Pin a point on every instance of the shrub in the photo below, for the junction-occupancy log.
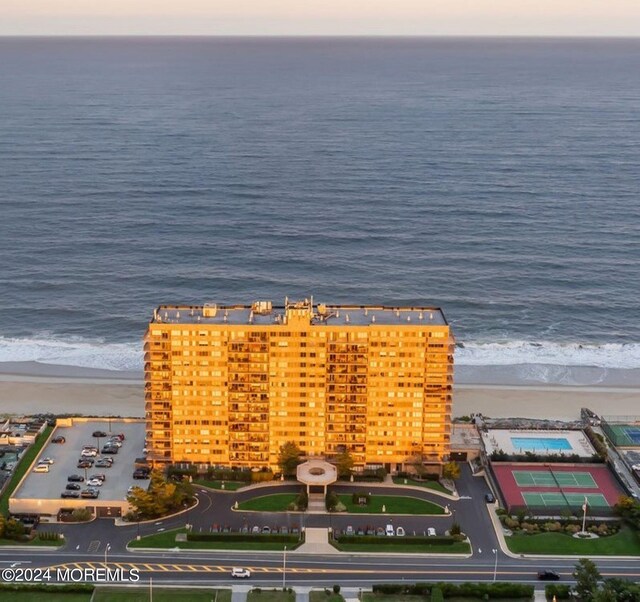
(561, 592)
(336, 589)
(455, 529)
(331, 501)
(436, 595)
(81, 515)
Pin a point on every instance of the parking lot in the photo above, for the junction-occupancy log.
(40, 491)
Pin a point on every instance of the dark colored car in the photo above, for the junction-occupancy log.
(99, 434)
(109, 449)
(488, 497)
(104, 463)
(140, 473)
(84, 463)
(73, 487)
(75, 478)
(548, 576)
(66, 493)
(90, 493)
(59, 439)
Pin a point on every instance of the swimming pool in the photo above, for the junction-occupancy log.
(540, 444)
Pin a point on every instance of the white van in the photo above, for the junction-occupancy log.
(390, 531)
(41, 468)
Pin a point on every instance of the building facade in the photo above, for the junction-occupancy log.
(229, 385)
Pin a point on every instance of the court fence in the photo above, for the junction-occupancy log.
(622, 431)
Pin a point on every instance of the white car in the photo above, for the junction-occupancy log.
(94, 482)
(389, 530)
(400, 532)
(88, 453)
(45, 461)
(431, 532)
(240, 573)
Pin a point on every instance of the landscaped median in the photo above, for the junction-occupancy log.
(220, 485)
(433, 485)
(219, 541)
(443, 544)
(419, 592)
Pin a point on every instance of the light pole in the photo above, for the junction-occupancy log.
(495, 566)
(105, 553)
(284, 568)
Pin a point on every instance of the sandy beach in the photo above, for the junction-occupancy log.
(29, 388)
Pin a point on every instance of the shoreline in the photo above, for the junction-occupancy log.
(32, 388)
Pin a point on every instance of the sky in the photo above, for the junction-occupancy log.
(325, 17)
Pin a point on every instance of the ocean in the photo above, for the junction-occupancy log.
(496, 178)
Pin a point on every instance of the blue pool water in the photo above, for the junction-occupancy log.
(540, 444)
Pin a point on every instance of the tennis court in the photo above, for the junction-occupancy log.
(549, 478)
(624, 435)
(555, 499)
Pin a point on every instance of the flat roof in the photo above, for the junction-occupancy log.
(264, 313)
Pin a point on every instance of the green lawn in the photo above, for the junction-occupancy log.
(48, 596)
(27, 458)
(277, 502)
(435, 485)
(270, 596)
(458, 547)
(369, 597)
(624, 543)
(394, 504)
(34, 542)
(160, 594)
(228, 485)
(317, 596)
(167, 539)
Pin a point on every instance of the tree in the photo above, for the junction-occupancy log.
(451, 470)
(344, 463)
(587, 576)
(289, 458)
(417, 462)
(618, 590)
(161, 498)
(13, 529)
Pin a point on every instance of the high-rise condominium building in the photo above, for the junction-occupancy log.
(227, 385)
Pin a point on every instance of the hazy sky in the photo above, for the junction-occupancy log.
(321, 17)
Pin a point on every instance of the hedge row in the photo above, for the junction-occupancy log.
(272, 537)
(561, 592)
(45, 587)
(438, 539)
(463, 590)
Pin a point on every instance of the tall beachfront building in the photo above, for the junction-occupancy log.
(228, 385)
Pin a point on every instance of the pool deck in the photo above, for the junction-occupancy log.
(503, 439)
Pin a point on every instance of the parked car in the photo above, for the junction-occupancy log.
(88, 453)
(380, 531)
(66, 493)
(114, 443)
(255, 530)
(100, 476)
(431, 532)
(58, 439)
(360, 531)
(348, 530)
(89, 447)
(140, 473)
(41, 468)
(75, 478)
(400, 532)
(266, 530)
(94, 483)
(85, 463)
(90, 493)
(548, 576)
(389, 531)
(104, 463)
(488, 497)
(73, 487)
(240, 573)
(99, 434)
(109, 449)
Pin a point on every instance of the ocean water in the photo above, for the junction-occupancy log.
(496, 178)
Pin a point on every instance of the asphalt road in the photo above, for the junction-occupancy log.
(86, 546)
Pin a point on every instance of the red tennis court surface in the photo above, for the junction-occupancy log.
(515, 478)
